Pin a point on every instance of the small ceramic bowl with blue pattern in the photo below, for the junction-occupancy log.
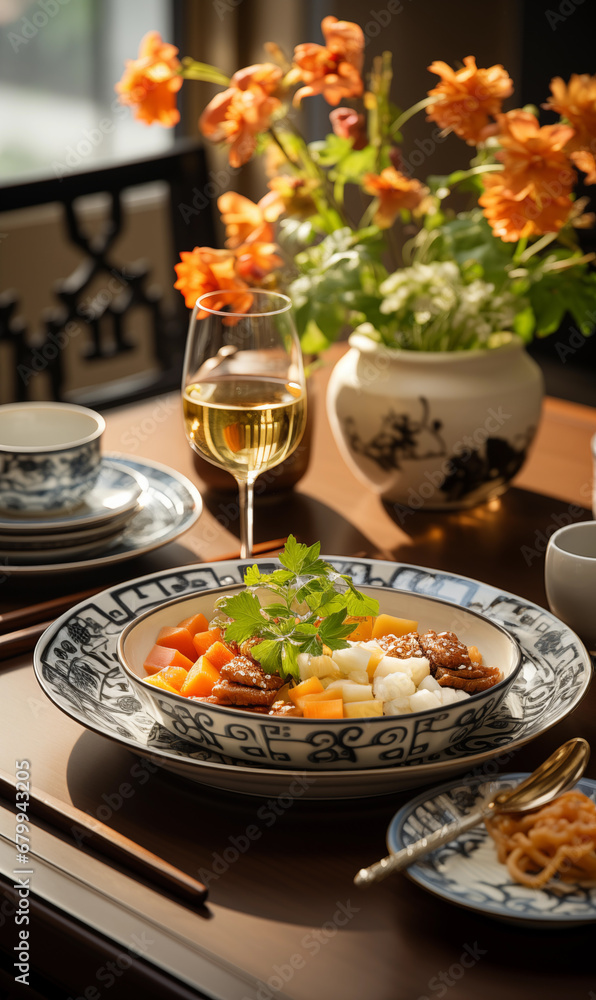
(351, 742)
(50, 456)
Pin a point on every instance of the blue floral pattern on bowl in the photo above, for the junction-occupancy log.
(48, 480)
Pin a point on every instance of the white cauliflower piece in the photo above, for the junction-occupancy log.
(396, 685)
(429, 683)
(355, 657)
(397, 706)
(317, 666)
(422, 701)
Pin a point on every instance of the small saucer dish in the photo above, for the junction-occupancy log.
(165, 505)
(115, 494)
(466, 871)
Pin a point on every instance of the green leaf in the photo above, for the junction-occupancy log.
(333, 631)
(252, 576)
(524, 323)
(296, 556)
(359, 604)
(269, 655)
(245, 610)
(192, 70)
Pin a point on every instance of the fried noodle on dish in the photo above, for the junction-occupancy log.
(557, 840)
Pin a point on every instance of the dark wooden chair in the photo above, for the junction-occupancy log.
(105, 321)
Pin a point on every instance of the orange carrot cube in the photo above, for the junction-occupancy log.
(160, 657)
(175, 676)
(363, 626)
(311, 685)
(202, 640)
(390, 625)
(218, 655)
(324, 709)
(177, 638)
(194, 624)
(200, 679)
(156, 680)
(328, 694)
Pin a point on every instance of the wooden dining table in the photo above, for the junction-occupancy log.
(284, 919)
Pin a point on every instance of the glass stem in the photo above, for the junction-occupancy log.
(246, 491)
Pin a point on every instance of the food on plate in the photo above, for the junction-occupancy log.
(303, 641)
(556, 842)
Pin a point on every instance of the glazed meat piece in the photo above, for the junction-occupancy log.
(444, 650)
(228, 693)
(469, 679)
(401, 646)
(243, 670)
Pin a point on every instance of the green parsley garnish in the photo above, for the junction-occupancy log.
(310, 602)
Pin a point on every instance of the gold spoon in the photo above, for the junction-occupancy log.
(555, 775)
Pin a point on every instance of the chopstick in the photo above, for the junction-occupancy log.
(34, 621)
(78, 825)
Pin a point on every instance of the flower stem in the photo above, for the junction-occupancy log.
(405, 117)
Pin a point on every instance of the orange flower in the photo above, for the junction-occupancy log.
(576, 101)
(205, 270)
(267, 76)
(467, 98)
(333, 69)
(255, 260)
(151, 82)
(534, 154)
(244, 220)
(513, 214)
(238, 114)
(394, 191)
(585, 161)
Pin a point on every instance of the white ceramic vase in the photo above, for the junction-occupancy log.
(430, 430)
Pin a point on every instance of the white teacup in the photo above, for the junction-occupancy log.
(50, 456)
(570, 578)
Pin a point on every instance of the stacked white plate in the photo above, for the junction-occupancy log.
(79, 532)
(135, 506)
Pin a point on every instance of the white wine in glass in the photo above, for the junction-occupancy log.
(243, 388)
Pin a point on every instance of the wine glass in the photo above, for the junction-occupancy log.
(243, 388)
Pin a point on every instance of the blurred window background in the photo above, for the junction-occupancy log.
(58, 65)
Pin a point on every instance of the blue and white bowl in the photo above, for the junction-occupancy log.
(50, 456)
(378, 741)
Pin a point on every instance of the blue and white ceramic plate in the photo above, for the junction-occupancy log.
(115, 494)
(169, 505)
(77, 665)
(466, 871)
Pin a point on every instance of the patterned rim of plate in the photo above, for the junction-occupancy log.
(86, 514)
(76, 665)
(170, 507)
(466, 871)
